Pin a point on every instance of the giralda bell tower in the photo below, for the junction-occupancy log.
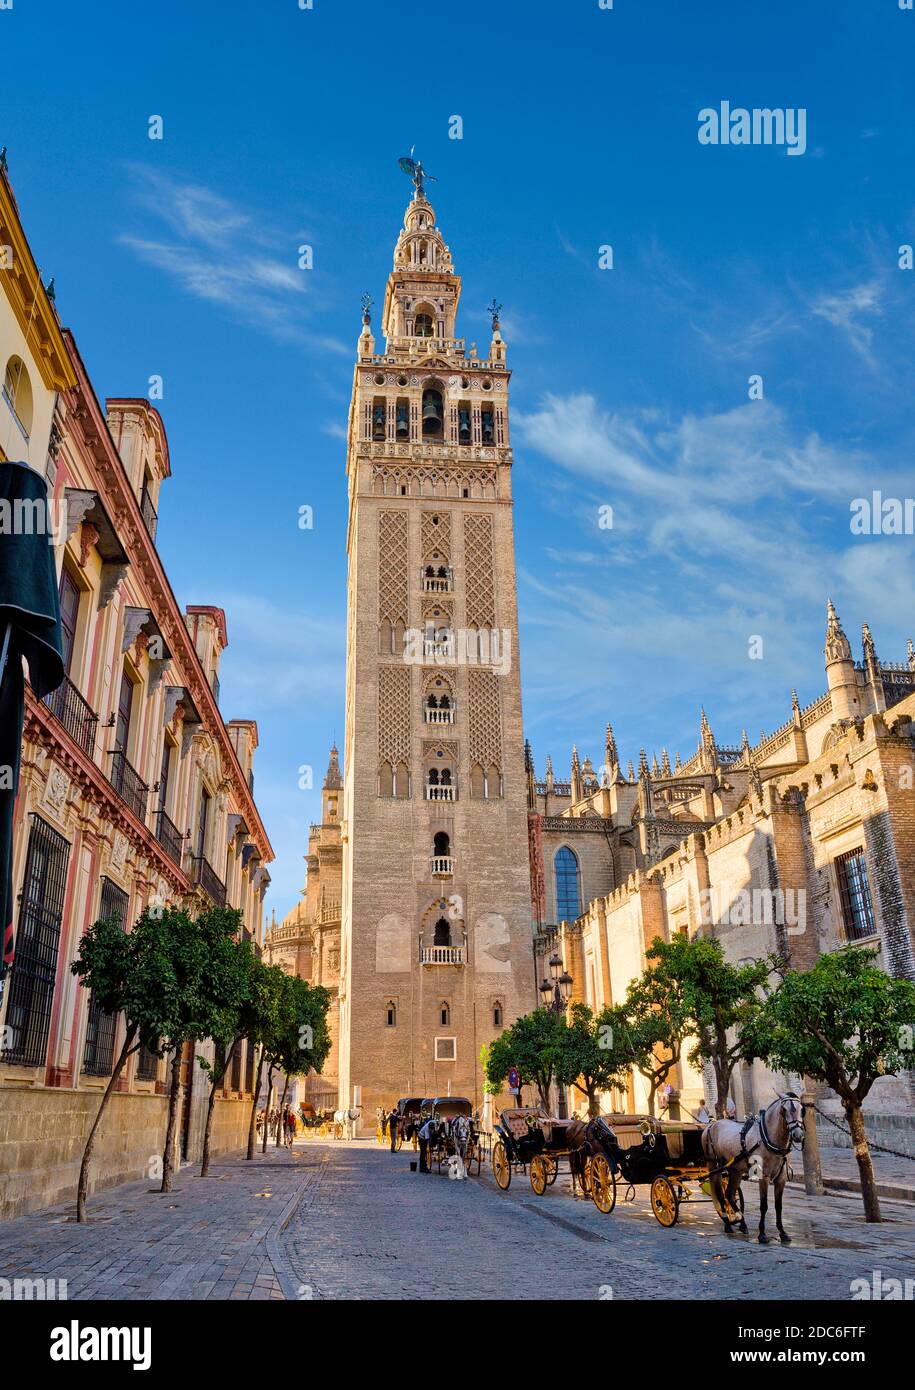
(436, 938)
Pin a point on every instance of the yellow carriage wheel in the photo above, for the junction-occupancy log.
(323, 1131)
(552, 1168)
(501, 1168)
(603, 1184)
(338, 1131)
(539, 1174)
(664, 1202)
(398, 1143)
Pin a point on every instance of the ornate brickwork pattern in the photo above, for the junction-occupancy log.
(478, 564)
(436, 535)
(484, 718)
(393, 558)
(394, 715)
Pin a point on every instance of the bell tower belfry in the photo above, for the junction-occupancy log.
(436, 949)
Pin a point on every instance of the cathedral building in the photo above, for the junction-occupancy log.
(800, 843)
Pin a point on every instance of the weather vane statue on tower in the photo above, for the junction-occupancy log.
(414, 170)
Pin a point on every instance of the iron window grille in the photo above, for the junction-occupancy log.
(235, 1079)
(37, 944)
(855, 895)
(147, 1064)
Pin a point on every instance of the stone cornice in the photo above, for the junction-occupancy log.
(29, 300)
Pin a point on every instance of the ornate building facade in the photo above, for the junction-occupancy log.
(307, 941)
(436, 943)
(134, 789)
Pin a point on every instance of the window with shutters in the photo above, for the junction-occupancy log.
(101, 1027)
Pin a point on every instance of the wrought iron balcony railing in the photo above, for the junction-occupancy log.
(169, 837)
(203, 873)
(443, 955)
(128, 784)
(149, 513)
(78, 718)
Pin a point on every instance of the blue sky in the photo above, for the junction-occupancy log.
(283, 127)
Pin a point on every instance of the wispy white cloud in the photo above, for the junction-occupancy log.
(218, 252)
(848, 310)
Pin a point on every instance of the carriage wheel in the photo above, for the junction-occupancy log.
(664, 1202)
(539, 1174)
(322, 1132)
(338, 1131)
(603, 1184)
(552, 1168)
(398, 1143)
(470, 1153)
(501, 1168)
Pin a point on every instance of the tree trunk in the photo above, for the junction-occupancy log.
(168, 1163)
(280, 1134)
(215, 1081)
(83, 1182)
(593, 1103)
(864, 1160)
(267, 1105)
(252, 1123)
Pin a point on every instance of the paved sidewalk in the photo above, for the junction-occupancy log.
(207, 1239)
(895, 1176)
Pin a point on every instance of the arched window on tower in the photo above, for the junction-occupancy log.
(390, 1014)
(423, 326)
(386, 780)
(497, 1014)
(442, 935)
(378, 418)
(568, 885)
(444, 1013)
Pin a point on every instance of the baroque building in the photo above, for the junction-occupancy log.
(799, 843)
(134, 789)
(307, 941)
(436, 942)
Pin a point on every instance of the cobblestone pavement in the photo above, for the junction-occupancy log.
(207, 1239)
(362, 1226)
(368, 1228)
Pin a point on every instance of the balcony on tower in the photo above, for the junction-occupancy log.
(440, 785)
(442, 860)
(442, 949)
(437, 579)
(439, 644)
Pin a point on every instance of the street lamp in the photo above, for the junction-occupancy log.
(556, 993)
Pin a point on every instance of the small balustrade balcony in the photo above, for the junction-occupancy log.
(441, 648)
(78, 718)
(438, 583)
(439, 716)
(443, 955)
(203, 874)
(442, 866)
(436, 792)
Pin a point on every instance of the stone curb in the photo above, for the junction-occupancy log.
(892, 1191)
(281, 1268)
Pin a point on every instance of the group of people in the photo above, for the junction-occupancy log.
(281, 1124)
(394, 1123)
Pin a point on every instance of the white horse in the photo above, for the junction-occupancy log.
(757, 1150)
(460, 1131)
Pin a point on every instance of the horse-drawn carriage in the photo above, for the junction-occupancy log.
(455, 1131)
(527, 1139)
(408, 1121)
(601, 1153)
(639, 1150)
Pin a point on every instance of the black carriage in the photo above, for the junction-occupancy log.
(639, 1150)
(529, 1140)
(444, 1111)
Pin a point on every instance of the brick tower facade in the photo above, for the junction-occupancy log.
(436, 949)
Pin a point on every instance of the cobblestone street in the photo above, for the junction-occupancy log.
(336, 1220)
(369, 1228)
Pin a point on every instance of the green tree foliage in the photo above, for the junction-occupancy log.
(717, 999)
(591, 1056)
(534, 1045)
(844, 1022)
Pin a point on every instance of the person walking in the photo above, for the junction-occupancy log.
(393, 1121)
